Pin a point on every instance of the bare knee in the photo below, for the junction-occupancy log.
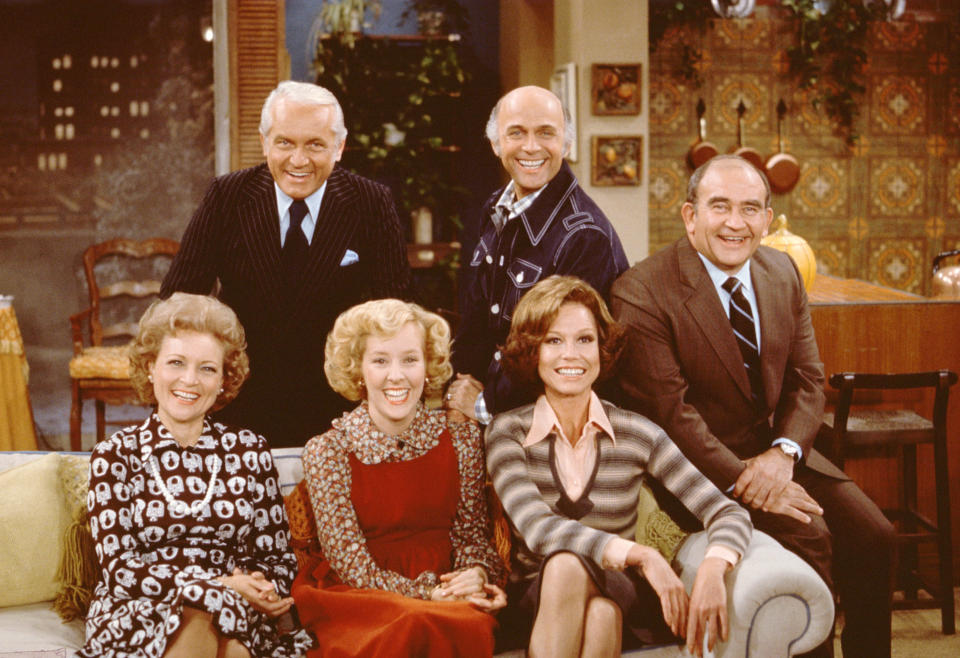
(603, 615)
(564, 570)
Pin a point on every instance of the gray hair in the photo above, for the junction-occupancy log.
(493, 135)
(304, 93)
(694, 184)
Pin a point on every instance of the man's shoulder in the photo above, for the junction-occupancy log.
(343, 179)
(657, 265)
(258, 176)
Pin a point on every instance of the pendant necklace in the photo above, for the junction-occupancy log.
(178, 505)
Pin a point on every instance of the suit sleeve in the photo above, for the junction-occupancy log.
(589, 254)
(194, 268)
(386, 240)
(654, 384)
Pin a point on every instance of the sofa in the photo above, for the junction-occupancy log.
(778, 605)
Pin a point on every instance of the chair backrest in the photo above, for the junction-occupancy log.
(847, 382)
(118, 271)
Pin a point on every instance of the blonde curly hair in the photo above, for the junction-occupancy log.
(347, 341)
(186, 312)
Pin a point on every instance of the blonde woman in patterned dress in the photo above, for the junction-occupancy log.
(187, 516)
(397, 493)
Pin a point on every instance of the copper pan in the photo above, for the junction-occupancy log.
(702, 150)
(751, 155)
(782, 169)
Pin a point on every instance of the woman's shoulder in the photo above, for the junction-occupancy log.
(630, 423)
(514, 423)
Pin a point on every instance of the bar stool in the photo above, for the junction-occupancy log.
(876, 432)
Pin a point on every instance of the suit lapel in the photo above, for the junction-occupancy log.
(260, 229)
(705, 308)
(774, 313)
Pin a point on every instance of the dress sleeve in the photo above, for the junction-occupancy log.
(112, 510)
(470, 534)
(327, 472)
(269, 542)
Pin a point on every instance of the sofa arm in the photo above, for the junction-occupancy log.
(777, 604)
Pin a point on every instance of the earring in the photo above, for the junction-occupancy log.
(150, 378)
(221, 389)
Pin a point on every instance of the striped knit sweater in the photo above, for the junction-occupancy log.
(524, 481)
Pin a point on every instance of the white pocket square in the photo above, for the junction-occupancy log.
(349, 258)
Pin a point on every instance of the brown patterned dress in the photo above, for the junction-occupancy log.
(157, 556)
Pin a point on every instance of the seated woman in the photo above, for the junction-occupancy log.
(397, 491)
(186, 514)
(568, 470)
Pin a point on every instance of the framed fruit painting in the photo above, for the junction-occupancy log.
(615, 159)
(615, 88)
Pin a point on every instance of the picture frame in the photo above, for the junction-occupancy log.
(615, 89)
(616, 160)
(563, 83)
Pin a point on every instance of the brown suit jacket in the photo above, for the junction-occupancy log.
(683, 369)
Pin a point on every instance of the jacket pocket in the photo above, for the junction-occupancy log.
(522, 275)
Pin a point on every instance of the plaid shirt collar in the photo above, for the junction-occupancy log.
(509, 206)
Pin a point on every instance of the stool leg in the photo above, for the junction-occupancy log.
(101, 420)
(76, 417)
(944, 537)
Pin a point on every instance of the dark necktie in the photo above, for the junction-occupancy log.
(741, 319)
(295, 248)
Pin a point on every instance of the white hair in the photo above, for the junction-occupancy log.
(493, 134)
(304, 93)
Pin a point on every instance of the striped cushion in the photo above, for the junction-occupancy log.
(102, 362)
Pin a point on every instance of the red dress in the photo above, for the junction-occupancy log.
(405, 510)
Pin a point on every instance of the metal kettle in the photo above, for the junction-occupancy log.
(946, 280)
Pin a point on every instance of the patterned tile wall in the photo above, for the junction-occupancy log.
(879, 211)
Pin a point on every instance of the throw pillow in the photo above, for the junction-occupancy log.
(303, 526)
(33, 516)
(655, 528)
(79, 570)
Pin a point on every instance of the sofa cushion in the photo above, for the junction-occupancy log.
(33, 517)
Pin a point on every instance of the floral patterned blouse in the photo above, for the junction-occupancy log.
(327, 470)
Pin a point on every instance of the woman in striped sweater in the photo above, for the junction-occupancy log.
(568, 470)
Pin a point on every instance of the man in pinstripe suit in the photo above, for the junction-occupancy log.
(293, 243)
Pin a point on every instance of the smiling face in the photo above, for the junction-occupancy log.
(729, 218)
(187, 377)
(301, 147)
(569, 360)
(530, 138)
(394, 371)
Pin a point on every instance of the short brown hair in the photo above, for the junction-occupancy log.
(346, 342)
(186, 312)
(535, 313)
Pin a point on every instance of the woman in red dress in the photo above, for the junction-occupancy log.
(397, 493)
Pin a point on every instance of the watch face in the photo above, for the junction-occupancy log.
(789, 450)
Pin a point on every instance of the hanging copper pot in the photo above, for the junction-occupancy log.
(702, 150)
(946, 280)
(751, 155)
(782, 169)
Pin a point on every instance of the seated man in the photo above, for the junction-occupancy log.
(541, 223)
(722, 355)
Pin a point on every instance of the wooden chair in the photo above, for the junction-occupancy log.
(123, 276)
(883, 432)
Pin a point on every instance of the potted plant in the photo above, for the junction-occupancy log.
(435, 17)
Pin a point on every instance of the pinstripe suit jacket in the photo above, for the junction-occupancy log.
(234, 237)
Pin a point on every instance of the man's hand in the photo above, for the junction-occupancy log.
(795, 502)
(764, 478)
(708, 606)
(461, 397)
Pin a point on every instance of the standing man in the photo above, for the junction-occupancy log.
(722, 355)
(541, 223)
(293, 243)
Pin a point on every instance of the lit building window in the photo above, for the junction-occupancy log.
(144, 133)
(97, 160)
(114, 87)
(104, 110)
(104, 62)
(62, 160)
(94, 62)
(69, 111)
(69, 131)
(51, 162)
(56, 63)
(67, 61)
(57, 84)
(133, 61)
(58, 112)
(58, 131)
(115, 133)
(134, 108)
(41, 162)
(144, 108)
(114, 63)
(115, 111)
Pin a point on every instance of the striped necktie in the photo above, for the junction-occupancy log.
(741, 319)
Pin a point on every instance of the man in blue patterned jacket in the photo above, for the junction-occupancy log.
(541, 223)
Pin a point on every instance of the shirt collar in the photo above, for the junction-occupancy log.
(284, 201)
(509, 206)
(718, 276)
(153, 435)
(545, 422)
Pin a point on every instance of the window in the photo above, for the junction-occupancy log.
(57, 85)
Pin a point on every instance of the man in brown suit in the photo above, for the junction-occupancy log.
(744, 405)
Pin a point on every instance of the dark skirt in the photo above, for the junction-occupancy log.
(639, 604)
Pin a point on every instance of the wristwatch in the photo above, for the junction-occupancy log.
(790, 451)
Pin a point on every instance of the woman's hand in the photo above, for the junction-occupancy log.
(708, 606)
(463, 583)
(490, 600)
(666, 583)
(258, 591)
